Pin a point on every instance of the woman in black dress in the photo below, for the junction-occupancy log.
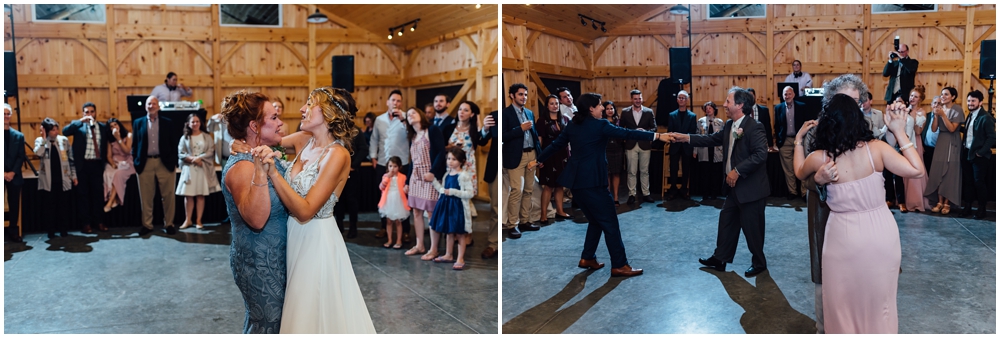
(549, 126)
(615, 152)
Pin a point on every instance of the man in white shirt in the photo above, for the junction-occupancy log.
(798, 76)
(171, 90)
(638, 117)
(566, 106)
(389, 139)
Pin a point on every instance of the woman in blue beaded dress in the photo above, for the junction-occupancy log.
(258, 248)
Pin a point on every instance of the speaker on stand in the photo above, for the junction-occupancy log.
(343, 72)
(680, 69)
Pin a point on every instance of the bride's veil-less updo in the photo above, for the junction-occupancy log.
(339, 110)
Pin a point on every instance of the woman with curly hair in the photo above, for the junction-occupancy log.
(859, 293)
(322, 294)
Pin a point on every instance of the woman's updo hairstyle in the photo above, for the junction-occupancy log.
(240, 108)
(339, 110)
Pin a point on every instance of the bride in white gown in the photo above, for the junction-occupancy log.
(322, 294)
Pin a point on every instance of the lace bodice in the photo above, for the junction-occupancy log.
(306, 178)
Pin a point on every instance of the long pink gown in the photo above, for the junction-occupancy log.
(915, 187)
(861, 255)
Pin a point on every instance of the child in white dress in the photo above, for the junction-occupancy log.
(393, 204)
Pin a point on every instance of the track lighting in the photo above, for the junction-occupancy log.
(593, 22)
(399, 29)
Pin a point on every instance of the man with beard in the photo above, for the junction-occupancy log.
(441, 118)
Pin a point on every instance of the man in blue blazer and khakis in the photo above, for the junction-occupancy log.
(520, 147)
(154, 151)
(745, 147)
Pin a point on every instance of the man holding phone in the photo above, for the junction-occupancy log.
(901, 70)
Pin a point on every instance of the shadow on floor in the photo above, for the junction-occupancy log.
(767, 309)
(547, 318)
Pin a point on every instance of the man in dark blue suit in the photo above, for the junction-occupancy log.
(586, 175)
(13, 157)
(520, 146)
(90, 149)
(441, 118)
(681, 155)
(154, 151)
(745, 148)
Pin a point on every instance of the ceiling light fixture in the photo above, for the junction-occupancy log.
(317, 17)
(390, 33)
(398, 30)
(593, 22)
(478, 6)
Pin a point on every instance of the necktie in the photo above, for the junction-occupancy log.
(437, 121)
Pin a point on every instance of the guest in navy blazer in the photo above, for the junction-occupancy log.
(90, 148)
(13, 157)
(681, 155)
(445, 123)
(587, 175)
(520, 147)
(155, 160)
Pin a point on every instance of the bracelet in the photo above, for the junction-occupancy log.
(252, 179)
(798, 143)
(907, 146)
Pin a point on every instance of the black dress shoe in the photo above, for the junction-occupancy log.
(527, 226)
(753, 271)
(513, 233)
(631, 200)
(714, 263)
(647, 199)
(966, 212)
(171, 230)
(63, 234)
(981, 214)
(144, 231)
(52, 235)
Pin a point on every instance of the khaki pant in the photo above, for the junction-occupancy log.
(519, 183)
(638, 160)
(787, 157)
(494, 214)
(154, 173)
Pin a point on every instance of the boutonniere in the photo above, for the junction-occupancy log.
(284, 157)
(738, 134)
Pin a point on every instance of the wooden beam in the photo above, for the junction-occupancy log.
(985, 35)
(461, 95)
(820, 22)
(326, 51)
(538, 83)
(60, 31)
(111, 61)
(850, 39)
(216, 59)
(554, 32)
(878, 41)
(90, 46)
(470, 44)
(130, 80)
(954, 39)
(969, 47)
(388, 54)
(651, 14)
(332, 17)
(494, 50)
(163, 7)
(784, 41)
(631, 71)
(231, 52)
(662, 41)
(491, 70)
(916, 20)
(442, 77)
(511, 43)
(584, 55)
(512, 64)
(344, 35)
(311, 63)
(753, 40)
(698, 38)
(204, 57)
(128, 50)
(23, 43)
(163, 32)
(453, 35)
(930, 66)
(866, 41)
(545, 68)
(411, 60)
(769, 54)
(604, 46)
(755, 25)
(531, 39)
(63, 81)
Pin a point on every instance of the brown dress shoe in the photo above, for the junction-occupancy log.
(87, 230)
(488, 253)
(625, 271)
(590, 264)
(102, 227)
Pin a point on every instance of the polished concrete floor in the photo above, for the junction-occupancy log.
(947, 284)
(118, 282)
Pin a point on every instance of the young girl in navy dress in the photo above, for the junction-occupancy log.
(393, 205)
(451, 214)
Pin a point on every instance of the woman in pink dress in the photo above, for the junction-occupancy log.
(861, 250)
(914, 187)
(119, 167)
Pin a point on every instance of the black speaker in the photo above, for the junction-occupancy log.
(988, 60)
(343, 72)
(680, 64)
(9, 74)
(666, 99)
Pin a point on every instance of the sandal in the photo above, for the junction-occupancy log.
(443, 260)
(936, 208)
(397, 246)
(200, 226)
(413, 251)
(387, 245)
(428, 256)
(946, 209)
(458, 266)
(185, 225)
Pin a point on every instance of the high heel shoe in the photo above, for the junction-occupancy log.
(936, 208)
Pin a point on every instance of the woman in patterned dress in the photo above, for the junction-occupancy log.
(426, 149)
(468, 136)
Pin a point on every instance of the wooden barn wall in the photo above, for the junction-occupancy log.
(829, 39)
(63, 65)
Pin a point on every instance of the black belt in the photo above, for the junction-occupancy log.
(528, 150)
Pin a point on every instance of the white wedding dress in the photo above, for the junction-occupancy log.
(322, 294)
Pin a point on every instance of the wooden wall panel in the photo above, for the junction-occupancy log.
(556, 51)
(441, 57)
(633, 51)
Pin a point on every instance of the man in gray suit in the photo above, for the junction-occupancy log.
(745, 146)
